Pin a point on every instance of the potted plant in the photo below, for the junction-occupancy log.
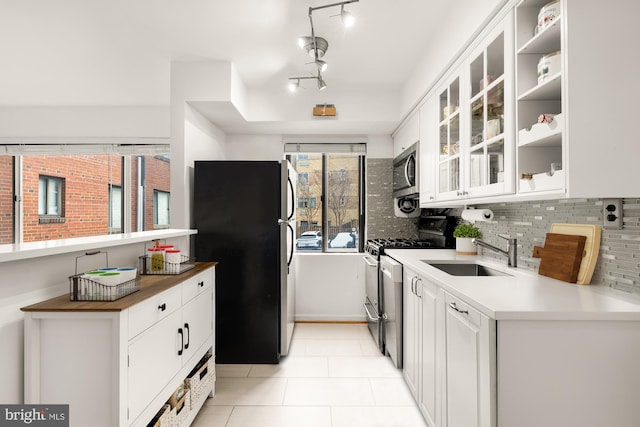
(464, 233)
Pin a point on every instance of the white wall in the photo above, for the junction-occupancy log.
(88, 121)
(464, 20)
(192, 136)
(329, 287)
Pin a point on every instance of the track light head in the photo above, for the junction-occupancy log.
(347, 18)
(294, 85)
(321, 83)
(322, 66)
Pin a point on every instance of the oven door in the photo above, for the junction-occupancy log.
(372, 300)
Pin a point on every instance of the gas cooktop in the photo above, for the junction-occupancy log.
(376, 247)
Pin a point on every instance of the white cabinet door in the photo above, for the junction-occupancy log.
(428, 148)
(197, 323)
(428, 377)
(153, 361)
(449, 163)
(407, 135)
(411, 339)
(469, 366)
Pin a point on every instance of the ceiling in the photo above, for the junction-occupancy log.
(118, 52)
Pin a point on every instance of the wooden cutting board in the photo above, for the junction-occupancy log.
(593, 234)
(561, 256)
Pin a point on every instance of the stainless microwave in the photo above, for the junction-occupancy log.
(405, 173)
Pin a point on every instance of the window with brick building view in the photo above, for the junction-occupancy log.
(67, 196)
(328, 201)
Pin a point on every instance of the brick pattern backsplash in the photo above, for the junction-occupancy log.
(381, 221)
(618, 263)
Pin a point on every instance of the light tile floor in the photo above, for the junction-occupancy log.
(334, 376)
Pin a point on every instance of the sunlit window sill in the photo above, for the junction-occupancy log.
(54, 247)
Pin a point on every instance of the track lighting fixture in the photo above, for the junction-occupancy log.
(294, 82)
(316, 47)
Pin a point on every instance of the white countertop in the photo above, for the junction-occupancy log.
(524, 295)
(54, 247)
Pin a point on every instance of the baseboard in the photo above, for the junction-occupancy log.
(330, 319)
(341, 322)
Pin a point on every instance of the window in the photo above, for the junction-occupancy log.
(329, 193)
(50, 201)
(115, 209)
(160, 209)
(307, 202)
(85, 192)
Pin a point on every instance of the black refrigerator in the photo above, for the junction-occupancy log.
(244, 212)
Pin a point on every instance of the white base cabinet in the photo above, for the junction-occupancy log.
(469, 367)
(117, 363)
(412, 333)
(466, 369)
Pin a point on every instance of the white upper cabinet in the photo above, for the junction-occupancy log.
(449, 140)
(475, 120)
(540, 105)
(585, 76)
(407, 135)
(490, 147)
(428, 143)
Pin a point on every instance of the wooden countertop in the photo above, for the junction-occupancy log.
(150, 285)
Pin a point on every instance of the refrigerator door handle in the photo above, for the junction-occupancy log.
(293, 198)
(292, 245)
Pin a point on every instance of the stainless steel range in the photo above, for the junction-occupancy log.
(383, 304)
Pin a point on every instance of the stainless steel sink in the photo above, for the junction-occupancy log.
(466, 269)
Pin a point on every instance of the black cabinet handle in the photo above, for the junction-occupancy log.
(162, 307)
(201, 284)
(186, 328)
(181, 341)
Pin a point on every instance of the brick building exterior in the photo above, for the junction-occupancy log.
(85, 204)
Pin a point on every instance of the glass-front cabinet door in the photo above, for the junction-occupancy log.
(449, 151)
(490, 119)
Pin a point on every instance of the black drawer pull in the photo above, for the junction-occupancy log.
(181, 342)
(201, 284)
(162, 307)
(186, 328)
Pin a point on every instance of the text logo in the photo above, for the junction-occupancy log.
(34, 415)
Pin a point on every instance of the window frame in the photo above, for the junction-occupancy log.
(156, 215)
(326, 151)
(48, 217)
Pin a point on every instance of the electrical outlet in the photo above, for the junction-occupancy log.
(612, 213)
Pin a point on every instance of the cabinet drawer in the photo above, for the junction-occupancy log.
(148, 312)
(196, 285)
(457, 306)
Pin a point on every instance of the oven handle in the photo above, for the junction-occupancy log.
(370, 261)
(371, 318)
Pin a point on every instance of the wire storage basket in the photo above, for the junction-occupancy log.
(105, 284)
(151, 265)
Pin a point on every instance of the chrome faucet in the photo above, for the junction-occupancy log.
(511, 253)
